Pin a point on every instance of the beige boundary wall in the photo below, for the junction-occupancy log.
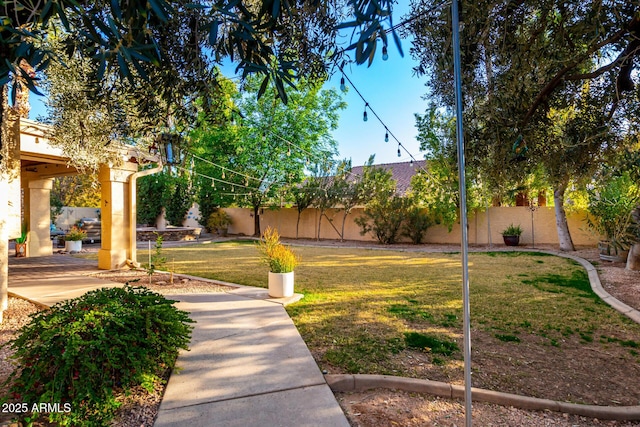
(482, 225)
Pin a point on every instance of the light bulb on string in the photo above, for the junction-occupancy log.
(386, 136)
(385, 54)
(223, 177)
(411, 162)
(343, 87)
(399, 154)
(364, 116)
(289, 151)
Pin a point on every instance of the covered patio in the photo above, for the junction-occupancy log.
(25, 187)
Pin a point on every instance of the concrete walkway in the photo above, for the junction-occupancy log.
(247, 365)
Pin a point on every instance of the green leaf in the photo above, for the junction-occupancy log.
(158, 7)
(213, 32)
(275, 11)
(263, 86)
(115, 9)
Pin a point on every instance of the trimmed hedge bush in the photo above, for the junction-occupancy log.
(83, 351)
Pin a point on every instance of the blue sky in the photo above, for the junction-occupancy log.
(395, 95)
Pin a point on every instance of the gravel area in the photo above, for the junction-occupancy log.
(363, 409)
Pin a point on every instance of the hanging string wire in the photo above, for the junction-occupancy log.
(224, 168)
(370, 108)
(214, 179)
(388, 132)
(312, 155)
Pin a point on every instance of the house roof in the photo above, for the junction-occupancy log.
(401, 172)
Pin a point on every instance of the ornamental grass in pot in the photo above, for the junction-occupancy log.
(281, 261)
(511, 235)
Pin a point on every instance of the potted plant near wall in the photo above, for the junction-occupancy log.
(281, 261)
(21, 244)
(73, 239)
(219, 221)
(609, 214)
(511, 235)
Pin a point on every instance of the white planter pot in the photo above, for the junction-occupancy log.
(280, 285)
(73, 245)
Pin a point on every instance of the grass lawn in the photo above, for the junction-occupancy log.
(363, 307)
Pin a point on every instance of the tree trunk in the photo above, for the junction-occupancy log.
(256, 221)
(633, 259)
(298, 223)
(564, 237)
(319, 223)
(344, 219)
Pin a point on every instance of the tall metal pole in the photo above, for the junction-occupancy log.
(455, 21)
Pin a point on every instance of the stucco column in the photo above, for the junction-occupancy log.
(39, 217)
(115, 233)
(9, 191)
(4, 245)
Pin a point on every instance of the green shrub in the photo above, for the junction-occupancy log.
(383, 217)
(218, 220)
(83, 351)
(417, 221)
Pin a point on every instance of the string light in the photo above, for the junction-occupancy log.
(224, 168)
(364, 116)
(388, 133)
(386, 136)
(385, 54)
(343, 87)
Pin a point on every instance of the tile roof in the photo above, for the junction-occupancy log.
(401, 172)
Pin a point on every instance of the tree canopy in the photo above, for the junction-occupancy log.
(265, 147)
(545, 83)
(163, 53)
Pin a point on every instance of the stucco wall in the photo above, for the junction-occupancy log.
(482, 225)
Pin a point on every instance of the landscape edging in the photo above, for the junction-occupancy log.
(361, 382)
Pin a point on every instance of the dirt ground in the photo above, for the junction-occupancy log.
(557, 373)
